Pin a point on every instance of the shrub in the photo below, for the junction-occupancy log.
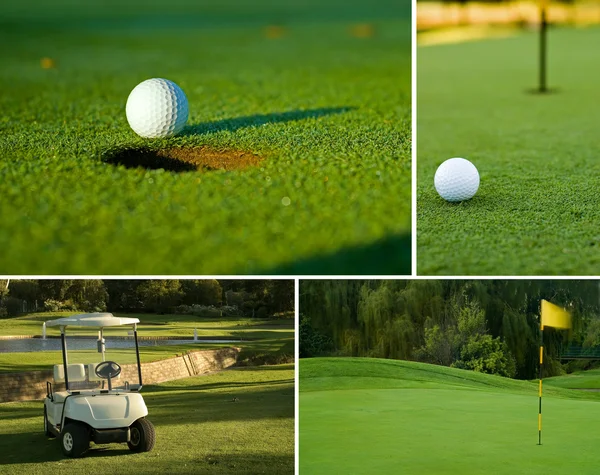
(312, 343)
(183, 310)
(260, 359)
(262, 312)
(485, 354)
(207, 312)
(230, 311)
(51, 305)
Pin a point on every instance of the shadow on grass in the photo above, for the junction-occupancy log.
(189, 405)
(168, 387)
(257, 120)
(389, 256)
(47, 450)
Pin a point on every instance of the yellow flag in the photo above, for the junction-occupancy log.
(554, 316)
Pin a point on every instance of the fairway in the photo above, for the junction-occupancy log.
(236, 421)
(536, 211)
(363, 416)
(318, 92)
(257, 338)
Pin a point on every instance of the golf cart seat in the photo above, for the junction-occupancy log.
(76, 372)
(59, 396)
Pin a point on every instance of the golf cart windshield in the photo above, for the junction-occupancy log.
(102, 373)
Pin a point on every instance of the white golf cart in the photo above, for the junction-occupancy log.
(87, 410)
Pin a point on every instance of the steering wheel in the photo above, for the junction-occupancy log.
(108, 370)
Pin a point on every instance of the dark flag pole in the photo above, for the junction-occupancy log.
(540, 377)
(543, 44)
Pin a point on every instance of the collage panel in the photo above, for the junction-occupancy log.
(155, 138)
(163, 376)
(449, 376)
(507, 135)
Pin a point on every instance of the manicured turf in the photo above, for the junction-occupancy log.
(327, 109)
(365, 416)
(160, 325)
(536, 211)
(259, 337)
(199, 429)
(579, 380)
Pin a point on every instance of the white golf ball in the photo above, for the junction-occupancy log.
(456, 179)
(157, 108)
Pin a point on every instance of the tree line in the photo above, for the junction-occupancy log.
(260, 298)
(485, 325)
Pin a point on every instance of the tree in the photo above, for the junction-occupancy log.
(159, 296)
(485, 354)
(89, 295)
(204, 292)
(54, 289)
(24, 289)
(122, 295)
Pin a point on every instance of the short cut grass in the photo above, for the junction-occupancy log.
(326, 108)
(536, 211)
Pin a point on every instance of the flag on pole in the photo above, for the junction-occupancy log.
(555, 317)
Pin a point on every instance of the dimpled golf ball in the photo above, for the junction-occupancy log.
(157, 108)
(456, 179)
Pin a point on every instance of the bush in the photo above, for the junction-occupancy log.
(440, 346)
(230, 311)
(485, 354)
(51, 305)
(262, 312)
(207, 312)
(183, 310)
(260, 359)
(313, 343)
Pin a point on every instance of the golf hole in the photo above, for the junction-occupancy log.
(182, 159)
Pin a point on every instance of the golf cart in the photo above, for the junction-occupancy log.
(90, 410)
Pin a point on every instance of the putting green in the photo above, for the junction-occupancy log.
(446, 422)
(237, 421)
(319, 90)
(536, 211)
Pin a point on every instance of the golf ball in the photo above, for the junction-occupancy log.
(456, 179)
(157, 108)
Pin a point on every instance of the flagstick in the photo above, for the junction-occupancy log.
(543, 31)
(540, 377)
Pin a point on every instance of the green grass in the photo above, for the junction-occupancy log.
(40, 360)
(365, 416)
(536, 209)
(589, 379)
(159, 325)
(199, 430)
(262, 337)
(329, 112)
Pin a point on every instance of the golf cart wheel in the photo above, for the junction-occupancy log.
(142, 436)
(75, 439)
(47, 431)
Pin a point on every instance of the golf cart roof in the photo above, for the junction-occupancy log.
(99, 320)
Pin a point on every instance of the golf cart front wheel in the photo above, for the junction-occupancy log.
(47, 431)
(75, 440)
(142, 436)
